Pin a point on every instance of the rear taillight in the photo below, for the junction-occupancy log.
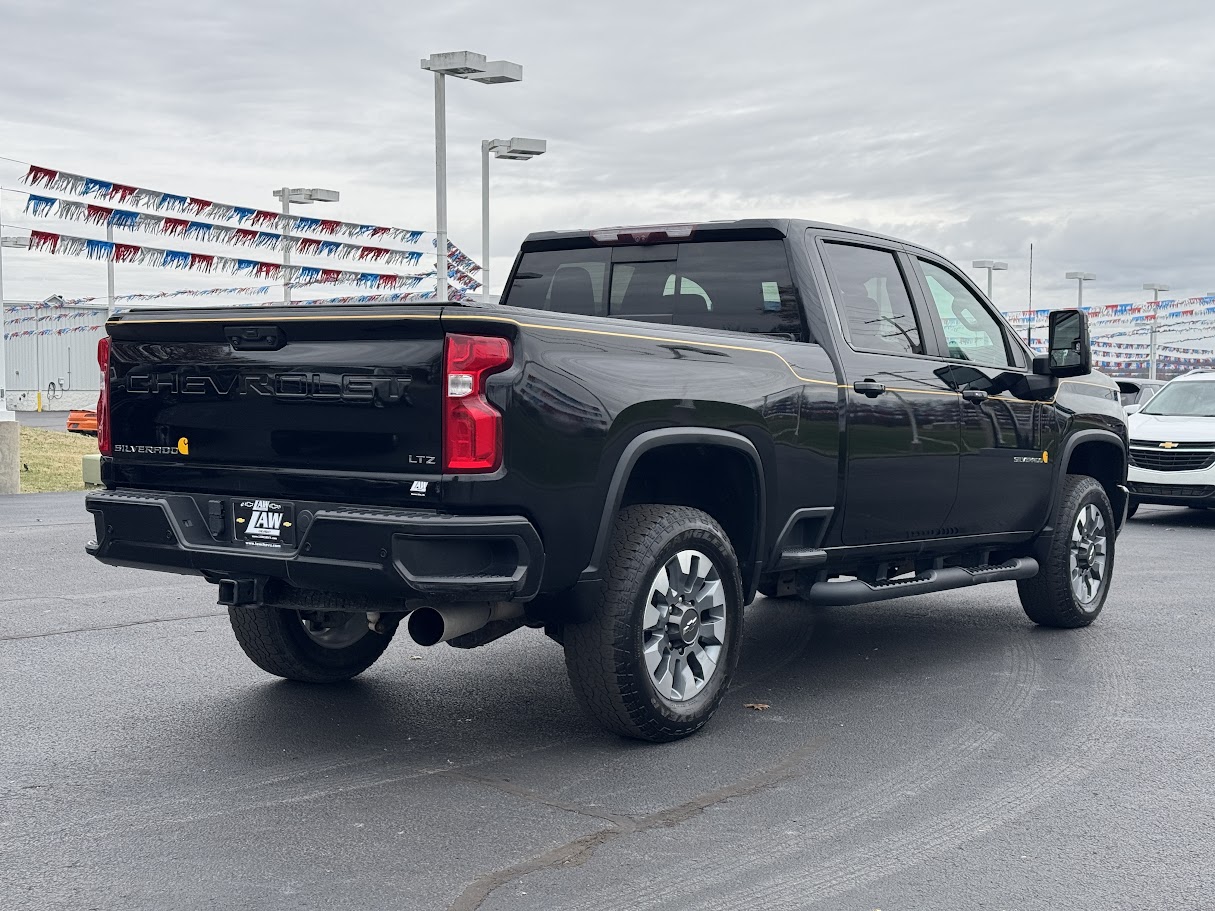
(472, 427)
(104, 443)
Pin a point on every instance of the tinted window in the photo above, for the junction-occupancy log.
(739, 286)
(568, 281)
(873, 299)
(971, 331)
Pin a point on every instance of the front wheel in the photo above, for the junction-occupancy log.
(1132, 507)
(1074, 579)
(314, 644)
(654, 661)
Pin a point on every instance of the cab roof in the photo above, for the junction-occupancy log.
(738, 229)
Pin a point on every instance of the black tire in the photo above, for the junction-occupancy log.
(1132, 507)
(606, 655)
(1049, 598)
(276, 640)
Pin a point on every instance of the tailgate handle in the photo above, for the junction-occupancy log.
(254, 338)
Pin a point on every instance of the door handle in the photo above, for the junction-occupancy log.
(974, 396)
(869, 388)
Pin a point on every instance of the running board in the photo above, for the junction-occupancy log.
(844, 594)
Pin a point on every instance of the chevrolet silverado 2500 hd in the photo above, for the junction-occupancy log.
(654, 424)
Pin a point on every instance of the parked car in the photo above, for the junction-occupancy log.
(82, 421)
(653, 425)
(1134, 391)
(1172, 454)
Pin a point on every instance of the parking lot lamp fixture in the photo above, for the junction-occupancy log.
(301, 196)
(513, 149)
(1081, 278)
(991, 266)
(462, 65)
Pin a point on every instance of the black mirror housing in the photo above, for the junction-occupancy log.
(1069, 352)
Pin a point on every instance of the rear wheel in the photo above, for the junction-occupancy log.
(311, 644)
(1071, 586)
(655, 660)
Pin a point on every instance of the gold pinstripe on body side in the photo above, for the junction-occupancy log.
(550, 328)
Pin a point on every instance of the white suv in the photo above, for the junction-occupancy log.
(1173, 445)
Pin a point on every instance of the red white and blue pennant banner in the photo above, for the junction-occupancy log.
(47, 206)
(49, 242)
(78, 185)
(1134, 312)
(158, 201)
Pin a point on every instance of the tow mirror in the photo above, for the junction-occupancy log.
(1068, 351)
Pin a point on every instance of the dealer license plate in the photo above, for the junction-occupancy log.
(264, 522)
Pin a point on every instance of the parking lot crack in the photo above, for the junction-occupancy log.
(578, 851)
(93, 629)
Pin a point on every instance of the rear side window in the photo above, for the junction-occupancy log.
(873, 299)
(568, 281)
(736, 286)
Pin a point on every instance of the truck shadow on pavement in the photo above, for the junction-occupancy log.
(1173, 517)
(803, 664)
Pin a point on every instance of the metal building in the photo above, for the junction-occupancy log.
(51, 348)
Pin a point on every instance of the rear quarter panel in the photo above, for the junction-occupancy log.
(583, 388)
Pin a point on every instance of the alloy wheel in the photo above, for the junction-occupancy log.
(1087, 555)
(684, 625)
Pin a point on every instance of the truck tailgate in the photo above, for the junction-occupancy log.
(206, 399)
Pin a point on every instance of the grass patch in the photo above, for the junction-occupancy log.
(50, 460)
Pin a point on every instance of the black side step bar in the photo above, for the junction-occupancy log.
(844, 594)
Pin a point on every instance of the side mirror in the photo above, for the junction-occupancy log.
(1068, 351)
(1132, 409)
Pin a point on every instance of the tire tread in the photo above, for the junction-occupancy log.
(597, 652)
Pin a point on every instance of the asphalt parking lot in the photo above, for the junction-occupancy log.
(936, 752)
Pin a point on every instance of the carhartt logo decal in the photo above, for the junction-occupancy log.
(183, 446)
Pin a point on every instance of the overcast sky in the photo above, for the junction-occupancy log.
(971, 127)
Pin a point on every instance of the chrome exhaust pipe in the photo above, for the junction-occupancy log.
(432, 625)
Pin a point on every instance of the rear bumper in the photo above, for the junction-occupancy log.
(416, 555)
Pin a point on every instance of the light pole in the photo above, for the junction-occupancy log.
(991, 266)
(462, 65)
(301, 196)
(10, 433)
(1155, 288)
(18, 243)
(513, 149)
(1081, 278)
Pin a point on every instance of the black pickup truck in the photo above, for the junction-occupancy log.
(654, 424)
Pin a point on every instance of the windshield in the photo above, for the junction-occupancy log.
(1193, 399)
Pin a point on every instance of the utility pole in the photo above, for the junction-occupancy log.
(1155, 288)
(1029, 329)
(109, 271)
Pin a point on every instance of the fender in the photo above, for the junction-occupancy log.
(672, 436)
(1069, 446)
